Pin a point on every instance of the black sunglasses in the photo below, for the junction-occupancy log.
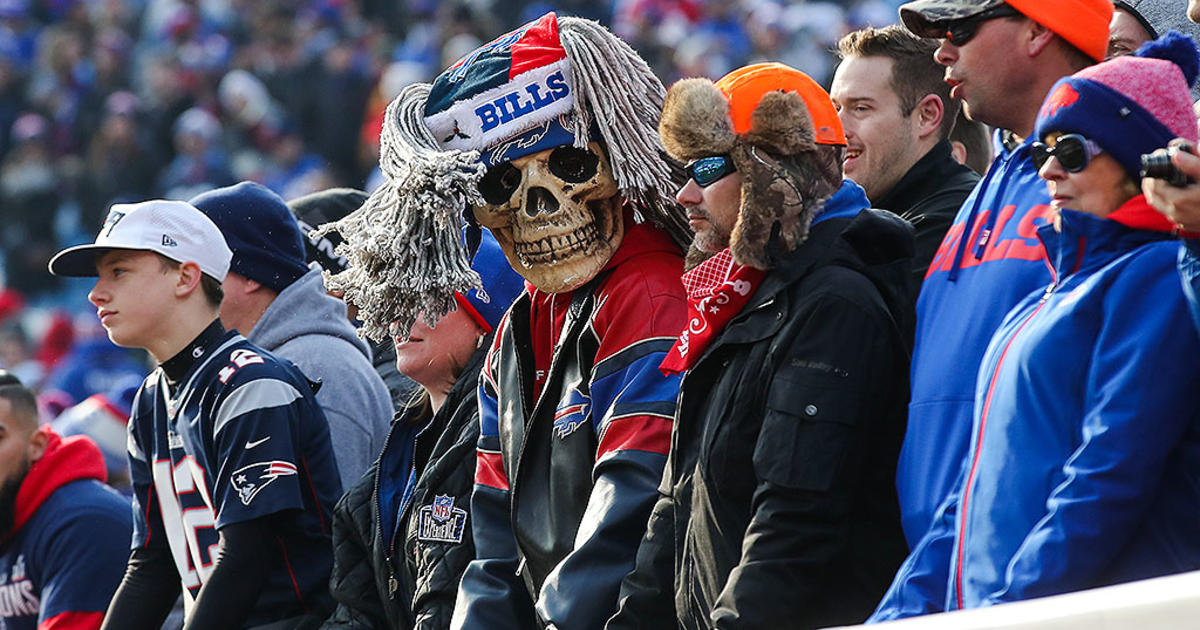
(707, 170)
(959, 32)
(1074, 152)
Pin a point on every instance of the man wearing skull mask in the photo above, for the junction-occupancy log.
(778, 507)
(546, 136)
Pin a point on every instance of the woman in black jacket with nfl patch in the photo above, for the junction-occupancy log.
(401, 535)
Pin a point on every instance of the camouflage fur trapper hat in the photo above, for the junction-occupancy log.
(774, 122)
(552, 82)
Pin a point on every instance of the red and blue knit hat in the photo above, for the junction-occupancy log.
(552, 82)
(1129, 105)
(507, 99)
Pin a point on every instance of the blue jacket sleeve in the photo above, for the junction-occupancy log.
(1189, 273)
(492, 594)
(1140, 399)
(921, 585)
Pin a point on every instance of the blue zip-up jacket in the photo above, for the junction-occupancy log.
(1084, 460)
(1189, 272)
(971, 284)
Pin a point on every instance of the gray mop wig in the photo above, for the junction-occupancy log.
(405, 246)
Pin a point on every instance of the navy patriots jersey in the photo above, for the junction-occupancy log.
(242, 438)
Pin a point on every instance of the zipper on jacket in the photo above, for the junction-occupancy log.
(393, 583)
(983, 417)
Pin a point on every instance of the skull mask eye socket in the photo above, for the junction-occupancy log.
(572, 164)
(499, 183)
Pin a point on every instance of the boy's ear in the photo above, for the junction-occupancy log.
(189, 279)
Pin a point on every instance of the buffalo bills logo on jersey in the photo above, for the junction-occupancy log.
(248, 481)
(441, 521)
(571, 414)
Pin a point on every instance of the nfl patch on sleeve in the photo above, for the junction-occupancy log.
(441, 521)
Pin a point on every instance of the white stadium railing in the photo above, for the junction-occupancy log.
(1167, 603)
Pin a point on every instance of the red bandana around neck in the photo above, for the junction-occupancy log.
(717, 290)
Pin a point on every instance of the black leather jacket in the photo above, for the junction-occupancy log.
(585, 458)
(778, 507)
(381, 580)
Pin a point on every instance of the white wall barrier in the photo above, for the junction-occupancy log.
(1167, 603)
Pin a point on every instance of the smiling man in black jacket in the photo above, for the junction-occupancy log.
(777, 508)
(897, 113)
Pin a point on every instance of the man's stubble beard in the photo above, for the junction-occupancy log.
(8, 499)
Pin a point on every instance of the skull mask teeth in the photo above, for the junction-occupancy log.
(556, 214)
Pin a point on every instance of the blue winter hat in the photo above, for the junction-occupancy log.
(1129, 105)
(260, 229)
(501, 285)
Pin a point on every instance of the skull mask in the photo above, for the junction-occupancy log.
(556, 214)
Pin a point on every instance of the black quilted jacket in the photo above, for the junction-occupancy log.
(384, 581)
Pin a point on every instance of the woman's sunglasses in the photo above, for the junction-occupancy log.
(959, 32)
(707, 170)
(1074, 152)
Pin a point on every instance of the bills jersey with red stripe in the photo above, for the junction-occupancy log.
(242, 438)
(591, 438)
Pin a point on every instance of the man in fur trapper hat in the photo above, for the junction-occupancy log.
(778, 507)
(546, 136)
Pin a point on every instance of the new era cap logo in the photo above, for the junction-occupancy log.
(169, 242)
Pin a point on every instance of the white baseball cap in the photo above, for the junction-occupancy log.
(175, 229)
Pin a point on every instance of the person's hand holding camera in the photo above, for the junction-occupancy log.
(1177, 198)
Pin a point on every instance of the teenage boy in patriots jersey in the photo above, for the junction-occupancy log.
(233, 474)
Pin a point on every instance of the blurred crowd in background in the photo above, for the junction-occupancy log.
(108, 101)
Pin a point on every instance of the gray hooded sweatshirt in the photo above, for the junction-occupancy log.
(309, 328)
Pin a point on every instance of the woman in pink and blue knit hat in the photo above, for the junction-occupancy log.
(1084, 463)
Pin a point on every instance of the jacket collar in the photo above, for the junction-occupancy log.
(1086, 241)
(923, 179)
(763, 315)
(845, 203)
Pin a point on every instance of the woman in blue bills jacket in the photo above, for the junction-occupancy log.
(1084, 462)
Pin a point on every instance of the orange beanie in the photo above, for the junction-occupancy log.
(1084, 23)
